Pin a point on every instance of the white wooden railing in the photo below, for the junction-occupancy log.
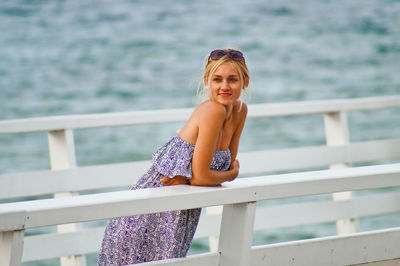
(237, 197)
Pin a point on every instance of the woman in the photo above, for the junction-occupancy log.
(202, 154)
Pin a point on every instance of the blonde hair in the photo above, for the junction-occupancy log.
(212, 65)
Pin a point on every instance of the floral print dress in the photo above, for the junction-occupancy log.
(157, 236)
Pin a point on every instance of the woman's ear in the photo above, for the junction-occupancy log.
(246, 83)
(205, 80)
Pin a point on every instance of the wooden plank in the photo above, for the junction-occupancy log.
(395, 262)
(236, 234)
(14, 220)
(48, 246)
(126, 174)
(305, 213)
(88, 240)
(337, 134)
(94, 120)
(62, 156)
(48, 182)
(85, 241)
(325, 106)
(179, 115)
(209, 259)
(11, 246)
(125, 203)
(310, 157)
(209, 225)
(62, 149)
(370, 151)
(337, 250)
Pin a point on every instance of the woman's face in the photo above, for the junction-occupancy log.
(225, 85)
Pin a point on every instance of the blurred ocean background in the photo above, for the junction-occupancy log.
(83, 57)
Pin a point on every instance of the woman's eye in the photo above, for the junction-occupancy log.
(233, 80)
(217, 79)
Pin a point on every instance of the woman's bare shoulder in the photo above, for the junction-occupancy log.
(209, 109)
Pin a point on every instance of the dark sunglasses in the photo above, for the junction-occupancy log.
(232, 54)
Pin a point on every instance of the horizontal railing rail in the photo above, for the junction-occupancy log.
(31, 214)
(178, 115)
(270, 217)
(126, 174)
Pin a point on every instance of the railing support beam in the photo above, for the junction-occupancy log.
(11, 247)
(62, 156)
(236, 234)
(337, 134)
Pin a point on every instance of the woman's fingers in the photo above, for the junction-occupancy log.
(166, 180)
(176, 180)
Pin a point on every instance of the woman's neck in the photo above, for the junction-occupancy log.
(229, 110)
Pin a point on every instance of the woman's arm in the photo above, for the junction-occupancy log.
(210, 125)
(219, 176)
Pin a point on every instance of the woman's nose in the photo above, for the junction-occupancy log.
(225, 85)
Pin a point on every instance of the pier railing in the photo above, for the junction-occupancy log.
(238, 197)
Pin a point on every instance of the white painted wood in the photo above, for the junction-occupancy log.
(310, 157)
(334, 154)
(319, 107)
(62, 149)
(209, 225)
(14, 220)
(213, 239)
(331, 251)
(87, 241)
(48, 246)
(236, 234)
(337, 134)
(11, 246)
(208, 259)
(180, 115)
(395, 262)
(124, 203)
(49, 182)
(94, 120)
(62, 156)
(306, 213)
(126, 174)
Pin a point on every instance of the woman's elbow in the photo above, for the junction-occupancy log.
(199, 180)
(193, 182)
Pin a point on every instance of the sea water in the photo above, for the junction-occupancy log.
(81, 57)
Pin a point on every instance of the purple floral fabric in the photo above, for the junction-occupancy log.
(157, 236)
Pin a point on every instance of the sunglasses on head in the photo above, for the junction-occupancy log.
(232, 54)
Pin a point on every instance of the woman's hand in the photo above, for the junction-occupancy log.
(235, 167)
(176, 180)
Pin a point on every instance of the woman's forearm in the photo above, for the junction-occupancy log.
(213, 178)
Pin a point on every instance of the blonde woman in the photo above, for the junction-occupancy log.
(203, 153)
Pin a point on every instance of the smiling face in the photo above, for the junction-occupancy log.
(225, 84)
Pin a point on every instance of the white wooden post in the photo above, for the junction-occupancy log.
(213, 240)
(11, 247)
(337, 134)
(62, 156)
(236, 234)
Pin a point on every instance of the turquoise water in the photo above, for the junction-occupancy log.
(70, 57)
